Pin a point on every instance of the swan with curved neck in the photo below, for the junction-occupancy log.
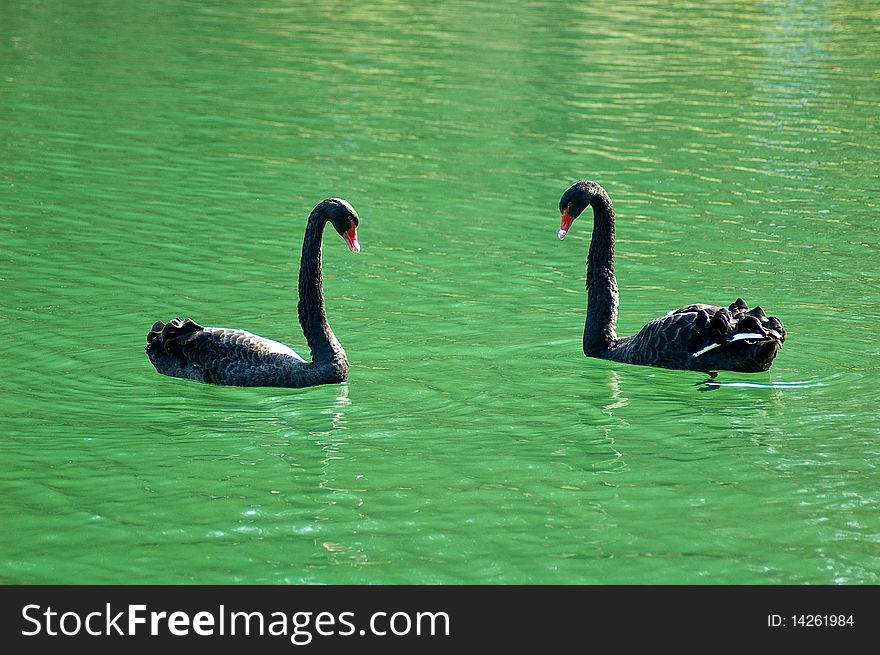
(185, 349)
(698, 337)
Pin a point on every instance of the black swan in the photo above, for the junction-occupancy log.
(185, 349)
(697, 337)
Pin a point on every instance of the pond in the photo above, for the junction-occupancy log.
(160, 159)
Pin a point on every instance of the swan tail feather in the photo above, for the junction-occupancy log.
(736, 337)
(169, 338)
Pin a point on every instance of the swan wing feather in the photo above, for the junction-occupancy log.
(220, 355)
(707, 337)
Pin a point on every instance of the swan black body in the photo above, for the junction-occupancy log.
(185, 349)
(697, 337)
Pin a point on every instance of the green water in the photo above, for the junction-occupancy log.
(159, 159)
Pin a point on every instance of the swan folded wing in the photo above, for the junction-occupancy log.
(248, 344)
(665, 341)
(239, 357)
(221, 355)
(716, 327)
(702, 336)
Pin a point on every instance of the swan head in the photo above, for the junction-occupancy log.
(574, 201)
(344, 219)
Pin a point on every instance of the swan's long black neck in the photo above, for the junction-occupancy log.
(599, 329)
(326, 349)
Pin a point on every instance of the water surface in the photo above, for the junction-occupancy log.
(160, 159)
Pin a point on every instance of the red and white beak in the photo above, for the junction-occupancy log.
(565, 224)
(351, 238)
